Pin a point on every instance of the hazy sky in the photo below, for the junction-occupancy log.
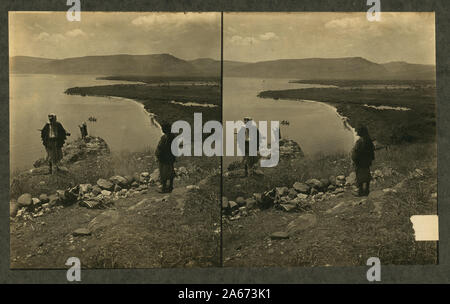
(247, 36)
(51, 35)
(397, 37)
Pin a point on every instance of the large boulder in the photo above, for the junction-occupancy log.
(301, 187)
(25, 200)
(105, 184)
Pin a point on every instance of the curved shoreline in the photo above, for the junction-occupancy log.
(151, 115)
(344, 119)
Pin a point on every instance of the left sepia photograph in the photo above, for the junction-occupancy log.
(92, 172)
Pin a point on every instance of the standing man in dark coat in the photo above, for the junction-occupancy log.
(53, 137)
(362, 155)
(166, 158)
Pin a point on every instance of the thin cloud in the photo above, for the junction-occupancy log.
(175, 19)
(75, 33)
(268, 36)
(243, 41)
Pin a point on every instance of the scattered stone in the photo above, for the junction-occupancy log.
(250, 203)
(134, 184)
(91, 204)
(301, 187)
(106, 192)
(119, 181)
(282, 191)
(233, 205)
(85, 188)
(302, 196)
(314, 183)
(81, 232)
(36, 202)
(96, 190)
(434, 195)
(240, 201)
(43, 198)
(105, 184)
(193, 187)
(25, 200)
(313, 191)
(339, 190)
(279, 235)
(292, 193)
(289, 207)
(117, 188)
(331, 188)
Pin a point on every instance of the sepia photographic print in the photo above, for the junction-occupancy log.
(182, 140)
(356, 104)
(91, 109)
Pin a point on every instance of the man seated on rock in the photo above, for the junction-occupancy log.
(362, 156)
(166, 158)
(53, 138)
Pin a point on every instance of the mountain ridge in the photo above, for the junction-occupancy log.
(165, 65)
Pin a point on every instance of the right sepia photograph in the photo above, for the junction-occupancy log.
(353, 104)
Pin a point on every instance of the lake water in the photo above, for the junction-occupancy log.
(315, 126)
(122, 123)
(126, 126)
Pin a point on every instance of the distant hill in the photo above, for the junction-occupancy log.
(350, 68)
(331, 68)
(149, 65)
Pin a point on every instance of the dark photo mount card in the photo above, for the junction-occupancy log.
(227, 143)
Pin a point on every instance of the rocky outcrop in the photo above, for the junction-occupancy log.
(78, 150)
(290, 149)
